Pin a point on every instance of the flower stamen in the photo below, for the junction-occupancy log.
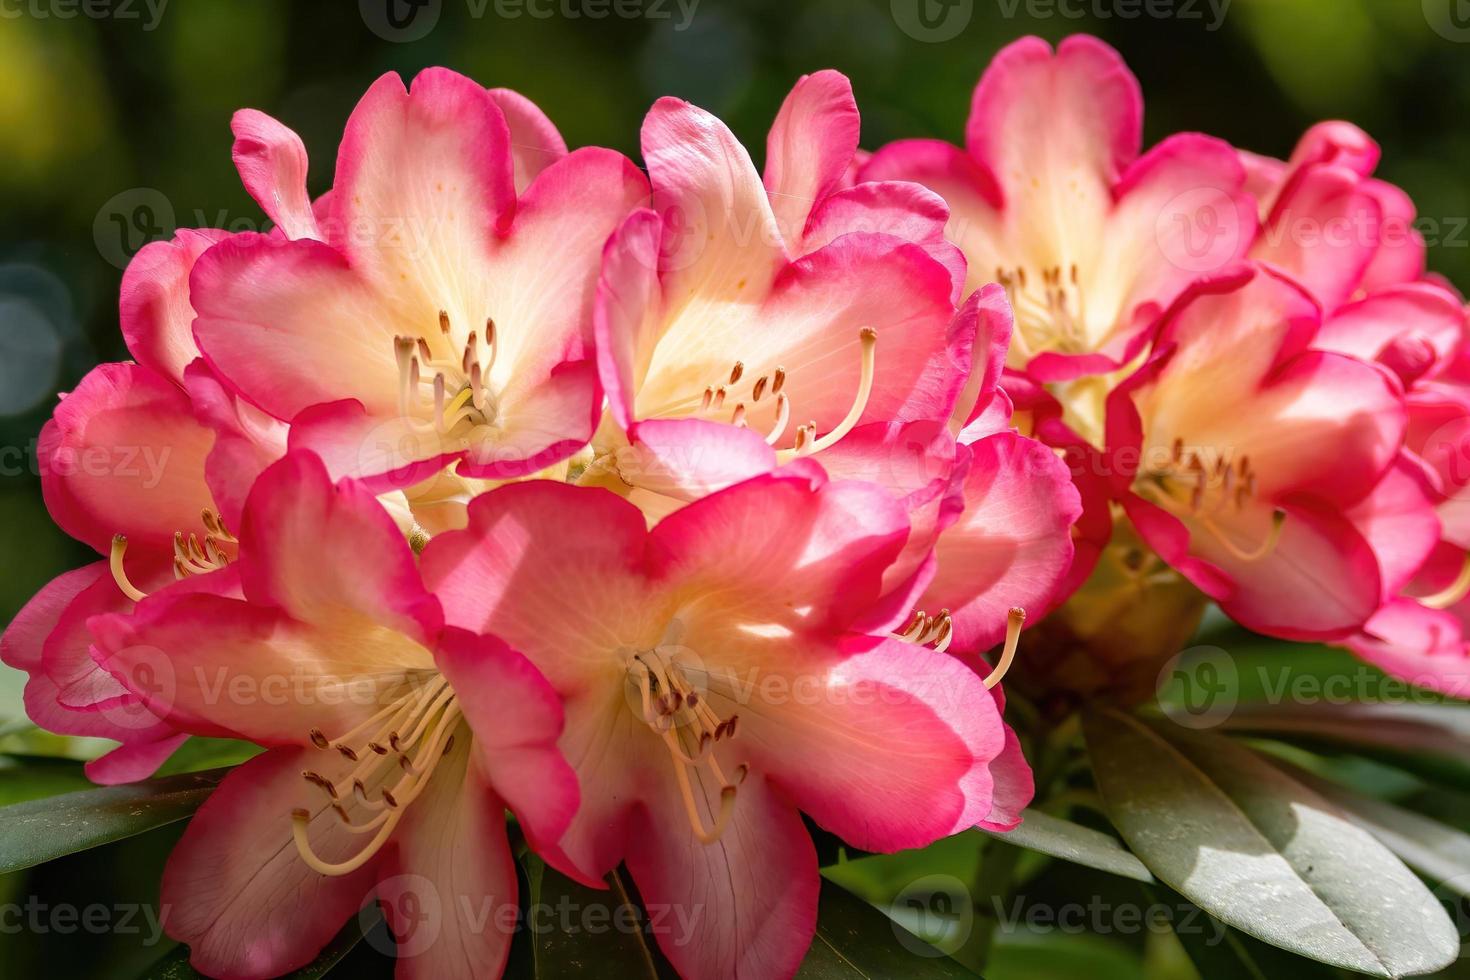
(1015, 619)
(432, 708)
(689, 729)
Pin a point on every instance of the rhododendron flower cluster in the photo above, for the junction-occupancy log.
(663, 507)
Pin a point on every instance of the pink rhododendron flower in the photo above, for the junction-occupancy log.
(394, 743)
(1241, 455)
(438, 304)
(781, 300)
(716, 686)
(132, 467)
(1051, 198)
(779, 308)
(1348, 237)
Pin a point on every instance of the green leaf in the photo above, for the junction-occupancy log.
(573, 930)
(1432, 740)
(43, 830)
(175, 966)
(198, 754)
(1073, 842)
(1219, 951)
(1438, 850)
(1261, 852)
(855, 941)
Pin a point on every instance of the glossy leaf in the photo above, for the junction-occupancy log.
(46, 829)
(1073, 842)
(1262, 852)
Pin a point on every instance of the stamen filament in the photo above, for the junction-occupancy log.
(119, 574)
(1014, 621)
(1451, 593)
(1278, 520)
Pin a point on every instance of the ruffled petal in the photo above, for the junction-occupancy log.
(154, 310)
(124, 455)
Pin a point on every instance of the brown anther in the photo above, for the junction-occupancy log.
(393, 741)
(737, 417)
(389, 799)
(741, 771)
(448, 744)
(444, 322)
(489, 331)
(342, 812)
(693, 699)
(378, 749)
(737, 371)
(318, 739)
(347, 752)
(709, 397)
(720, 397)
(779, 381)
(424, 351)
(300, 814)
(759, 389)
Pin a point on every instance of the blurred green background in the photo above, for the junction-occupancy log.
(114, 129)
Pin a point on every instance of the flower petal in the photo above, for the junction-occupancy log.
(748, 903)
(826, 740)
(156, 316)
(809, 148)
(124, 455)
(1012, 544)
(272, 164)
(535, 142)
(448, 889)
(516, 717)
(1040, 122)
(295, 519)
(721, 241)
(237, 891)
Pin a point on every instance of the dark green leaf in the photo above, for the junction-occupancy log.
(571, 930)
(175, 966)
(1076, 843)
(858, 942)
(1262, 852)
(43, 830)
